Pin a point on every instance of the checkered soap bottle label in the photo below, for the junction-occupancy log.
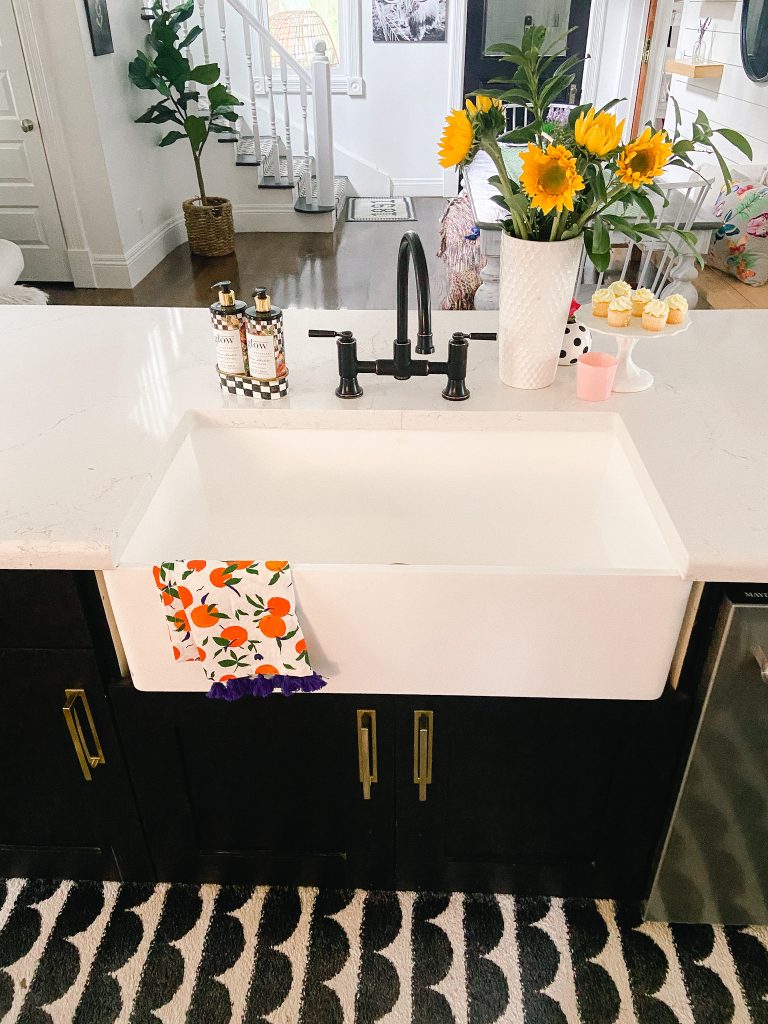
(266, 353)
(229, 350)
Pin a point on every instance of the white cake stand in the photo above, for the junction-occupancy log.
(629, 376)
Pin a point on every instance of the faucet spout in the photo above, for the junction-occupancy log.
(412, 251)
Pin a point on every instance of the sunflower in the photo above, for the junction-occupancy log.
(643, 160)
(482, 105)
(550, 179)
(457, 139)
(597, 133)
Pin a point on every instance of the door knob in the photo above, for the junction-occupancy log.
(27, 125)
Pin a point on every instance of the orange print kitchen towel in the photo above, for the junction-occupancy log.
(239, 620)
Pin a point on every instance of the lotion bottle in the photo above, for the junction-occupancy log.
(265, 338)
(228, 319)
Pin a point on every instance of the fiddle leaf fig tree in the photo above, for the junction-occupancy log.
(166, 69)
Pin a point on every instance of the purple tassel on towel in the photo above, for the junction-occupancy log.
(263, 686)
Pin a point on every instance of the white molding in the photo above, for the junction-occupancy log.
(634, 39)
(656, 60)
(347, 76)
(595, 41)
(115, 270)
(28, 19)
(455, 39)
(417, 186)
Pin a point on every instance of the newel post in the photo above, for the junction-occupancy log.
(323, 124)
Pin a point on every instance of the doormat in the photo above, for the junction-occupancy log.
(99, 953)
(380, 208)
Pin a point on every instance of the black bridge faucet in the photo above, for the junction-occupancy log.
(403, 366)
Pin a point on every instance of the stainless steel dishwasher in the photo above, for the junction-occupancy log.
(714, 863)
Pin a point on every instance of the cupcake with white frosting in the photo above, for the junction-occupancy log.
(619, 288)
(678, 307)
(600, 302)
(655, 315)
(640, 300)
(619, 311)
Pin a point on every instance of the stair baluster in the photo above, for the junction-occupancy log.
(247, 37)
(305, 181)
(224, 50)
(274, 153)
(289, 179)
(204, 35)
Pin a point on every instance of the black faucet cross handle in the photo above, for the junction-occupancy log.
(316, 333)
(476, 335)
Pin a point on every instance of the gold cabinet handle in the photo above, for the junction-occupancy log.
(367, 755)
(87, 760)
(422, 751)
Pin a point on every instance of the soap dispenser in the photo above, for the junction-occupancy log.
(228, 319)
(265, 338)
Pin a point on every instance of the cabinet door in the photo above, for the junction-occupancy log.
(55, 822)
(260, 790)
(517, 794)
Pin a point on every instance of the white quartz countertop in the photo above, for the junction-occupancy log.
(91, 395)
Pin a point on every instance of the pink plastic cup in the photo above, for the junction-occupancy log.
(595, 374)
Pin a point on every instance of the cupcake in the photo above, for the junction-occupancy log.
(640, 300)
(678, 307)
(655, 315)
(619, 288)
(600, 302)
(620, 311)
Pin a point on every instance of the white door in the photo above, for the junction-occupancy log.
(29, 215)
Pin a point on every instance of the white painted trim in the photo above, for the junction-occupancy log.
(115, 270)
(630, 61)
(28, 19)
(656, 60)
(417, 186)
(598, 15)
(456, 34)
(347, 76)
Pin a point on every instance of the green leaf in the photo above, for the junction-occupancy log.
(191, 36)
(601, 239)
(645, 204)
(197, 131)
(173, 66)
(274, 579)
(205, 74)
(171, 137)
(736, 139)
(518, 135)
(220, 642)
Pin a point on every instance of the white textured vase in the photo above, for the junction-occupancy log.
(535, 292)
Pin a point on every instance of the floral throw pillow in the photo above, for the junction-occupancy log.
(740, 245)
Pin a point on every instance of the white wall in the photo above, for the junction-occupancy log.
(732, 101)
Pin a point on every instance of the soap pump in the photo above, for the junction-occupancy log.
(228, 319)
(265, 338)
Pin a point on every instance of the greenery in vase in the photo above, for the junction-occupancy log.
(578, 178)
(167, 70)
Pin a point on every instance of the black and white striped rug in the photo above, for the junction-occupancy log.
(87, 953)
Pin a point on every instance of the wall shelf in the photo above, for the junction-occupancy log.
(694, 68)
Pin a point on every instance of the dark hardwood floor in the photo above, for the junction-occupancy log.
(353, 269)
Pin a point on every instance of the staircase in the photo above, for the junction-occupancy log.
(294, 177)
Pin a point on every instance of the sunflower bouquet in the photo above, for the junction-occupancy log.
(578, 177)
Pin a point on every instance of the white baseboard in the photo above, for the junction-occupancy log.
(417, 186)
(126, 270)
(281, 218)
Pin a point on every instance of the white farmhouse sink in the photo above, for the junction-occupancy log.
(488, 553)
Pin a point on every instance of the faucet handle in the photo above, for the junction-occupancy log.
(476, 335)
(315, 333)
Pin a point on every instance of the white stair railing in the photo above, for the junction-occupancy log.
(279, 70)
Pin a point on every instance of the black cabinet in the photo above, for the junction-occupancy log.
(66, 806)
(534, 796)
(66, 810)
(261, 790)
(528, 796)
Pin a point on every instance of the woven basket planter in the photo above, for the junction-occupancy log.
(210, 228)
